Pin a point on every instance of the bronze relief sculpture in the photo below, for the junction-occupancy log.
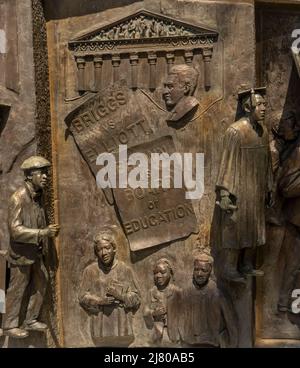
(162, 312)
(109, 293)
(244, 187)
(288, 185)
(179, 88)
(29, 236)
(285, 137)
(180, 271)
(207, 318)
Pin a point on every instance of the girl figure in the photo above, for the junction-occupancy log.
(162, 312)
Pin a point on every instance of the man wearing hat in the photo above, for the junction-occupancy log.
(29, 235)
(243, 187)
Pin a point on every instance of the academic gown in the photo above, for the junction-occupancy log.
(246, 173)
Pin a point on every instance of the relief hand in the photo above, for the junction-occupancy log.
(226, 204)
(95, 301)
(271, 199)
(160, 311)
(50, 231)
(115, 289)
(108, 300)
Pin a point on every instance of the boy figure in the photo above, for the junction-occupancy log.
(207, 319)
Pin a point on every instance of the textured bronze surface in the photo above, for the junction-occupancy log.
(147, 266)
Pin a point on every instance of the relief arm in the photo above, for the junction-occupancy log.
(128, 294)
(88, 299)
(19, 232)
(228, 176)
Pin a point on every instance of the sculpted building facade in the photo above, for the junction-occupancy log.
(214, 263)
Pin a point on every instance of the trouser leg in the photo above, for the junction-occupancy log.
(291, 248)
(248, 258)
(231, 259)
(272, 260)
(19, 279)
(39, 285)
(272, 248)
(231, 273)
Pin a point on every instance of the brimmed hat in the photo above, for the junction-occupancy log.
(35, 162)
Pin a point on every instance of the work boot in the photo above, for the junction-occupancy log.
(282, 308)
(233, 275)
(248, 270)
(35, 326)
(17, 333)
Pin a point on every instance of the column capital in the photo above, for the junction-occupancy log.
(80, 61)
(152, 57)
(207, 53)
(98, 60)
(134, 58)
(116, 59)
(188, 56)
(170, 56)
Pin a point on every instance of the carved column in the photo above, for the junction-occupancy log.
(152, 59)
(207, 54)
(170, 59)
(116, 60)
(188, 56)
(98, 61)
(81, 74)
(12, 76)
(134, 58)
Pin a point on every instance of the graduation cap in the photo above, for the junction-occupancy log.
(251, 92)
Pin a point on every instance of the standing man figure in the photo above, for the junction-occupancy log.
(281, 247)
(243, 186)
(289, 187)
(29, 235)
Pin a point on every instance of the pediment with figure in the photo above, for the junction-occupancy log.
(142, 37)
(142, 28)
